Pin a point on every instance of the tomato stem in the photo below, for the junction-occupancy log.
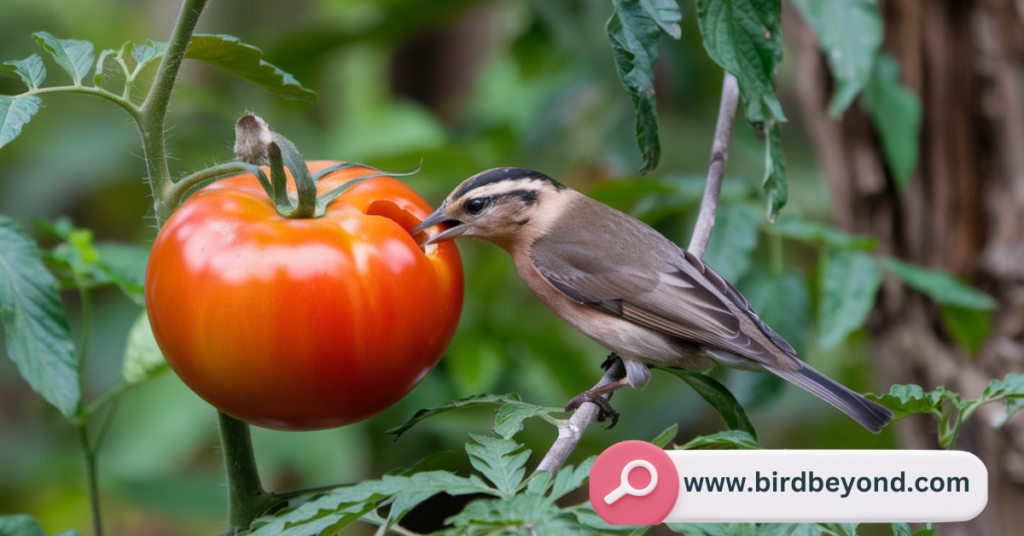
(245, 492)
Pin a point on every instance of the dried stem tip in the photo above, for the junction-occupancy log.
(252, 138)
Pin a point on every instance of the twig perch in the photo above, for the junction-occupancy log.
(569, 436)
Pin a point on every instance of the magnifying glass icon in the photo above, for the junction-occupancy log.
(624, 487)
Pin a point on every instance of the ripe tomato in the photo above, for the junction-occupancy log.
(302, 324)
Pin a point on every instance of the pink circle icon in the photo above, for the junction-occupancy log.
(633, 483)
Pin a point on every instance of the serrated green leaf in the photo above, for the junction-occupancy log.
(733, 241)
(1012, 406)
(523, 509)
(848, 285)
(73, 55)
(570, 478)
(321, 513)
(719, 397)
(745, 38)
(24, 525)
(703, 529)
(539, 482)
(15, 112)
(1010, 387)
(896, 113)
(586, 515)
(910, 399)
(666, 437)
(633, 35)
(467, 402)
(940, 286)
(142, 357)
(36, 332)
(502, 461)
(850, 34)
(31, 70)
(732, 439)
(782, 301)
(640, 531)
(839, 529)
(246, 62)
(967, 327)
(900, 529)
(125, 266)
(821, 234)
(509, 420)
(774, 184)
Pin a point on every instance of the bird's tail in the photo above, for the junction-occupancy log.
(869, 414)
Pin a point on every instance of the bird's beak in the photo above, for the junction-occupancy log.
(439, 217)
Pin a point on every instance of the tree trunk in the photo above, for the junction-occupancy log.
(963, 212)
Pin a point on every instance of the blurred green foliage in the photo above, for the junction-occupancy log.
(463, 85)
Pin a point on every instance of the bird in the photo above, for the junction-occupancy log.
(626, 286)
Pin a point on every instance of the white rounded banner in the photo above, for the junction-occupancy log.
(838, 486)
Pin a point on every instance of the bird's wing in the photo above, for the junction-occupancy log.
(646, 279)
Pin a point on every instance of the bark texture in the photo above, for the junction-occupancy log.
(963, 212)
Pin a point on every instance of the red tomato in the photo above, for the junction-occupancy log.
(302, 324)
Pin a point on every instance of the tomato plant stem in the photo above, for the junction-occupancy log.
(90, 471)
(154, 109)
(246, 497)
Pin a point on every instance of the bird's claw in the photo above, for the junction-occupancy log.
(605, 410)
(610, 360)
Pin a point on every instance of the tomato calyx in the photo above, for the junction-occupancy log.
(257, 145)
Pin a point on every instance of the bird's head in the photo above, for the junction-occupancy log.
(501, 205)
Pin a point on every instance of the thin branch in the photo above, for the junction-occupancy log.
(569, 434)
(716, 169)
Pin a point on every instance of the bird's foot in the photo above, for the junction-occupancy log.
(605, 410)
(610, 360)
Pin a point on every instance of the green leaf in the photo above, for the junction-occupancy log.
(1012, 406)
(926, 532)
(143, 54)
(850, 34)
(774, 184)
(35, 330)
(73, 55)
(719, 397)
(783, 302)
(142, 357)
(634, 39)
(24, 525)
(666, 437)
(125, 266)
(509, 420)
(900, 529)
(502, 461)
(967, 327)
(733, 439)
(848, 285)
(666, 14)
(1010, 387)
(31, 70)
(246, 62)
(910, 399)
(896, 112)
(15, 112)
(788, 529)
(745, 38)
(539, 483)
(839, 529)
(733, 241)
(570, 478)
(821, 234)
(940, 286)
(522, 510)
(467, 402)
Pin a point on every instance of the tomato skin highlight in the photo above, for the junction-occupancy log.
(302, 324)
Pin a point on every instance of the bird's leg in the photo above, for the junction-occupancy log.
(596, 395)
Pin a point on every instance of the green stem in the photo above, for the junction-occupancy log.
(154, 110)
(95, 91)
(246, 498)
(107, 396)
(83, 342)
(180, 188)
(90, 471)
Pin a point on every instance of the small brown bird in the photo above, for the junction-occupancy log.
(623, 284)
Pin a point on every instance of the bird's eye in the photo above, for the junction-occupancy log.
(475, 206)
